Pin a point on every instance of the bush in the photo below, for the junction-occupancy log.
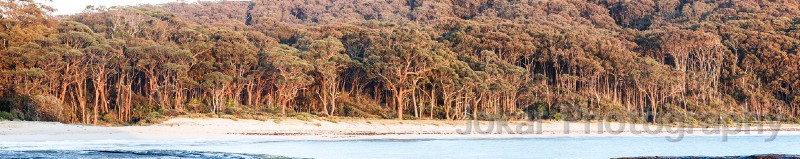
(111, 118)
(35, 108)
(303, 116)
(363, 107)
(14, 104)
(45, 108)
(491, 117)
(320, 114)
(234, 110)
(355, 112)
(173, 112)
(146, 112)
(7, 116)
(409, 117)
(151, 118)
(520, 114)
(556, 116)
(197, 106)
(273, 110)
(6, 104)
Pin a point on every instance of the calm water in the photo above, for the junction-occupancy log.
(577, 147)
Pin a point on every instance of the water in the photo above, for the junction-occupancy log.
(564, 147)
(155, 154)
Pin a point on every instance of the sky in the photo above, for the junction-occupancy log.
(65, 7)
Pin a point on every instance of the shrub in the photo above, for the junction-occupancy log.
(229, 103)
(274, 110)
(556, 116)
(231, 117)
(15, 105)
(146, 112)
(362, 107)
(320, 113)
(44, 108)
(409, 117)
(332, 119)
(173, 112)
(303, 116)
(111, 118)
(490, 117)
(151, 118)
(520, 114)
(35, 108)
(355, 112)
(234, 110)
(6, 104)
(7, 116)
(197, 106)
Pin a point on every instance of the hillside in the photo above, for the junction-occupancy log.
(665, 61)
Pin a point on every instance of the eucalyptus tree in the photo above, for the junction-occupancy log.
(216, 83)
(452, 80)
(290, 73)
(82, 49)
(400, 57)
(233, 54)
(328, 61)
(99, 64)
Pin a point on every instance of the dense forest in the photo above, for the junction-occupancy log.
(627, 60)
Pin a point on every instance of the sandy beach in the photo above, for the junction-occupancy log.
(355, 129)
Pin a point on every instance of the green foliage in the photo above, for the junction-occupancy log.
(556, 116)
(35, 108)
(303, 116)
(362, 109)
(273, 110)
(216, 79)
(491, 117)
(147, 113)
(233, 111)
(351, 111)
(151, 118)
(46, 108)
(410, 117)
(110, 118)
(13, 103)
(332, 119)
(195, 105)
(7, 116)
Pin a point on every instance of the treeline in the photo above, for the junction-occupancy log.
(637, 61)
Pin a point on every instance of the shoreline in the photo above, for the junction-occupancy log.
(362, 129)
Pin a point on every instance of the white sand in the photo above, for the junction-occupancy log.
(292, 129)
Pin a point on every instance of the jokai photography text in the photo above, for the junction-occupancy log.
(675, 131)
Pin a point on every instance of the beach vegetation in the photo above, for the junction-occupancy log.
(8, 116)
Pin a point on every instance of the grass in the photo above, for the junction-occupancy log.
(332, 119)
(231, 117)
(304, 116)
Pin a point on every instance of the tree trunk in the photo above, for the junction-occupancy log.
(432, 102)
(414, 99)
(399, 103)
